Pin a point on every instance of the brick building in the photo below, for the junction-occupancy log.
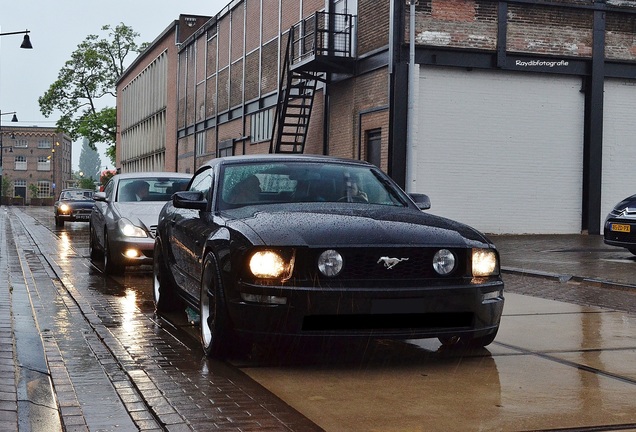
(513, 115)
(34, 156)
(146, 108)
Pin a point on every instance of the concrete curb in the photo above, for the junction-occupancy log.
(564, 278)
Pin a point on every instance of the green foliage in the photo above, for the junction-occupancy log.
(90, 163)
(34, 190)
(86, 82)
(5, 186)
(86, 183)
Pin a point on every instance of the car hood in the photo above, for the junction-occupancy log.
(145, 212)
(354, 226)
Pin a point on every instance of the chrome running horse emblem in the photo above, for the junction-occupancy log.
(389, 263)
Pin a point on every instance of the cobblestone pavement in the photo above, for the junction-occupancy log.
(114, 368)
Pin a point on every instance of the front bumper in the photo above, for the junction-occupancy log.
(625, 239)
(144, 248)
(75, 216)
(379, 312)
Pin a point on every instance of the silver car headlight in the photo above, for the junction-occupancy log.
(269, 264)
(129, 229)
(485, 262)
(64, 208)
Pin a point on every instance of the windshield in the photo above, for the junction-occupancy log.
(76, 195)
(149, 188)
(304, 182)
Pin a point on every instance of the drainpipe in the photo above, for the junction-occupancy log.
(411, 153)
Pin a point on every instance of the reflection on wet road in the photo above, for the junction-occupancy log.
(553, 364)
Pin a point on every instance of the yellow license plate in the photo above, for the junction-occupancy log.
(620, 227)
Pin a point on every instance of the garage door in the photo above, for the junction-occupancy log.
(501, 151)
(619, 148)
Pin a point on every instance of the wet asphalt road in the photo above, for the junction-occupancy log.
(123, 368)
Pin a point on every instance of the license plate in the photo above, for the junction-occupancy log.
(82, 217)
(620, 227)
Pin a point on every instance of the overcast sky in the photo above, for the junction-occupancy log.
(56, 28)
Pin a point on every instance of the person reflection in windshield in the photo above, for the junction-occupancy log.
(246, 191)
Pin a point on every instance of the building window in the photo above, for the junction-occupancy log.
(44, 189)
(44, 144)
(374, 146)
(44, 163)
(200, 144)
(20, 163)
(261, 124)
(21, 143)
(19, 188)
(226, 148)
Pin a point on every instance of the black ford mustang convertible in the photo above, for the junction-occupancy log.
(311, 246)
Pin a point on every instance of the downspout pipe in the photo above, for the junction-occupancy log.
(411, 148)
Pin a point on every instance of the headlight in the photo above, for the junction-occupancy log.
(64, 208)
(330, 263)
(485, 262)
(128, 229)
(444, 262)
(268, 264)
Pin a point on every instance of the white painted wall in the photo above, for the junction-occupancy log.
(502, 151)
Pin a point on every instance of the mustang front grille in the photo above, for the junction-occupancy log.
(387, 263)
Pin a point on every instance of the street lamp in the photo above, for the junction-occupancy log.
(26, 42)
(13, 119)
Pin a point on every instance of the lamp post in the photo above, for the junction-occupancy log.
(26, 44)
(13, 119)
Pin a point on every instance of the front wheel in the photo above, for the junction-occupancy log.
(215, 325)
(94, 251)
(110, 266)
(59, 222)
(164, 289)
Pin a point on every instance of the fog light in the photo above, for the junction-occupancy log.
(444, 262)
(131, 253)
(330, 263)
(492, 295)
(265, 299)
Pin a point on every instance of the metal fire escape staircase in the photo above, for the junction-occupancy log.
(314, 47)
(293, 110)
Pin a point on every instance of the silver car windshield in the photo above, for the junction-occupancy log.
(304, 182)
(149, 189)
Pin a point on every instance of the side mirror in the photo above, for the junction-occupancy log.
(99, 196)
(189, 200)
(422, 201)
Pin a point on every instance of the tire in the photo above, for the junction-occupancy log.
(164, 288)
(632, 250)
(467, 342)
(95, 253)
(110, 267)
(59, 222)
(215, 328)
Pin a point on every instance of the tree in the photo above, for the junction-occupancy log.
(89, 162)
(86, 84)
